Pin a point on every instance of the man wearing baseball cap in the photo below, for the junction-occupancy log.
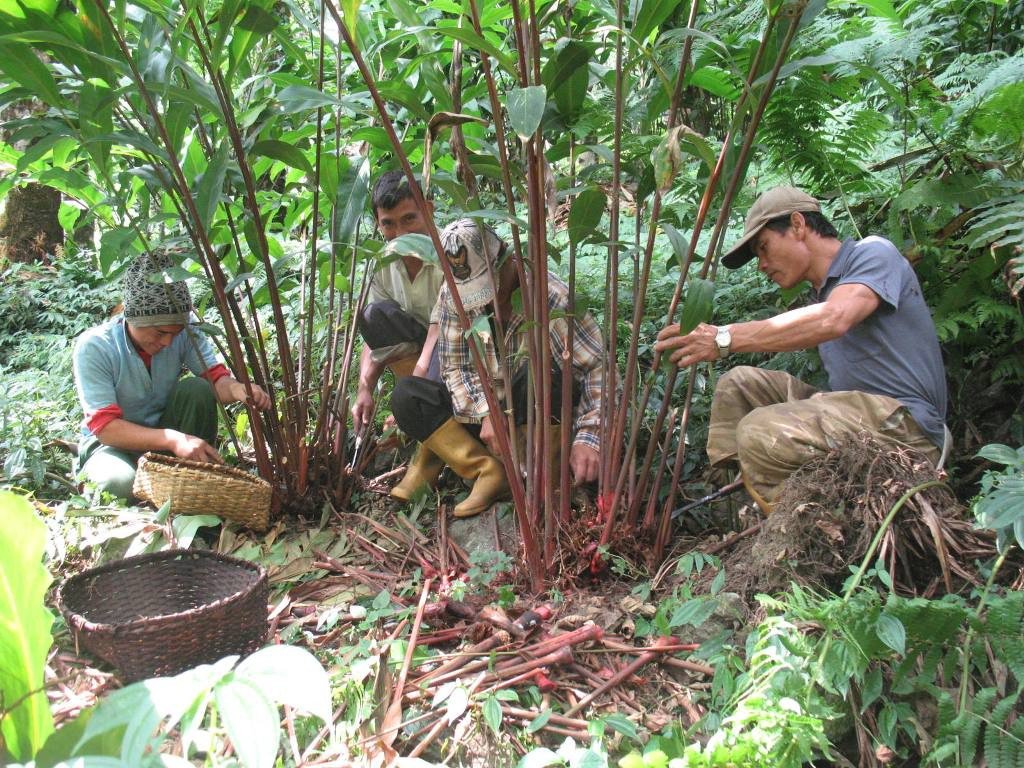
(871, 326)
(452, 420)
(127, 373)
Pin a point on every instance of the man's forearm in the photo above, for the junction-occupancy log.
(128, 436)
(423, 364)
(369, 370)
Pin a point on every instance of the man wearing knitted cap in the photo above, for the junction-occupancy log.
(871, 326)
(127, 375)
(451, 419)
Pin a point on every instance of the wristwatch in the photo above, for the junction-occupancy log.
(724, 340)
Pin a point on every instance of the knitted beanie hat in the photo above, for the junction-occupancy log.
(148, 303)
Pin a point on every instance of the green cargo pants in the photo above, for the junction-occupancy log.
(191, 408)
(773, 424)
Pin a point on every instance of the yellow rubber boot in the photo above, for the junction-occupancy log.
(403, 366)
(471, 461)
(762, 503)
(422, 474)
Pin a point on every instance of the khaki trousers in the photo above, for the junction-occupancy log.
(773, 424)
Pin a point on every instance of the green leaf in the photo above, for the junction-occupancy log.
(526, 108)
(492, 714)
(680, 245)
(699, 304)
(287, 674)
(472, 40)
(540, 721)
(538, 758)
(650, 14)
(24, 627)
(20, 63)
(621, 724)
(186, 527)
(287, 153)
(350, 13)
(353, 190)
(1002, 454)
(251, 722)
(585, 214)
(211, 186)
(891, 632)
(416, 245)
(301, 98)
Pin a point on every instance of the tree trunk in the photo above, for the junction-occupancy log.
(29, 229)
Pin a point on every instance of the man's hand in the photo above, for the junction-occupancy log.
(190, 447)
(362, 410)
(260, 399)
(488, 436)
(695, 347)
(584, 463)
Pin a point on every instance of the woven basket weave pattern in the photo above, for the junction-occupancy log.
(163, 613)
(196, 487)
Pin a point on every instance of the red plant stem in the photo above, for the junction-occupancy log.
(561, 656)
(669, 646)
(645, 658)
(575, 637)
(484, 646)
(554, 719)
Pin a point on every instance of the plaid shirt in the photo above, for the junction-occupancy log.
(468, 401)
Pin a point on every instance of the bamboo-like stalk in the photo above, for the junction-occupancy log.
(534, 564)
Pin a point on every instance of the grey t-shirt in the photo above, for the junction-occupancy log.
(894, 351)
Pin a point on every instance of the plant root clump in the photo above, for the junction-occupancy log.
(830, 510)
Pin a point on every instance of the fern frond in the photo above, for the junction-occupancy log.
(1000, 222)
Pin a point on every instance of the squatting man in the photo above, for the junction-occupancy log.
(870, 324)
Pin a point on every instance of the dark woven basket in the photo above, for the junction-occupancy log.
(160, 614)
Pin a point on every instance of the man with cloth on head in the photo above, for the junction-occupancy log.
(871, 326)
(127, 373)
(452, 419)
(399, 323)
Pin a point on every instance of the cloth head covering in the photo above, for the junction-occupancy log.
(469, 247)
(148, 303)
(780, 201)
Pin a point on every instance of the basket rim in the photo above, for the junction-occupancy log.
(149, 622)
(175, 462)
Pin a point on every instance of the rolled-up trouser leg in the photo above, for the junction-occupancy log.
(420, 406)
(740, 391)
(389, 331)
(775, 440)
(192, 409)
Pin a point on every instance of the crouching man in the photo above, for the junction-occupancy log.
(127, 372)
(870, 324)
(451, 419)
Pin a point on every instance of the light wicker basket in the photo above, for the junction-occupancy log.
(197, 487)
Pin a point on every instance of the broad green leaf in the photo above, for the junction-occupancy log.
(20, 63)
(650, 14)
(699, 304)
(891, 632)
(622, 724)
(352, 192)
(417, 245)
(186, 527)
(472, 40)
(350, 13)
(287, 674)
(114, 246)
(492, 714)
(288, 154)
(1002, 454)
(538, 758)
(492, 214)
(693, 612)
(680, 244)
(300, 98)
(237, 280)
(585, 214)
(211, 185)
(540, 721)
(24, 627)
(666, 159)
(526, 108)
(250, 721)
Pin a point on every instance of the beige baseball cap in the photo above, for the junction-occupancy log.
(780, 201)
(472, 250)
